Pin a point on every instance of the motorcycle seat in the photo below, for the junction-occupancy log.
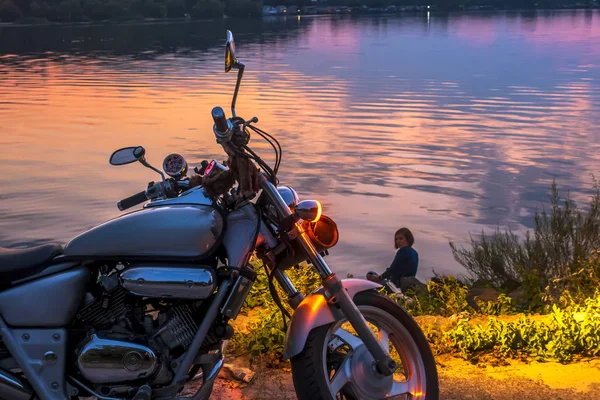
(20, 263)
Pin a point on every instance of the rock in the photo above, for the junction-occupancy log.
(412, 283)
(240, 373)
(481, 294)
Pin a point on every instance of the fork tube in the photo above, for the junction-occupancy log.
(384, 364)
(294, 297)
(284, 211)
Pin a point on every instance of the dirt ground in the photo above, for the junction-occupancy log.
(459, 380)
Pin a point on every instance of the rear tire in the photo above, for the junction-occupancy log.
(333, 358)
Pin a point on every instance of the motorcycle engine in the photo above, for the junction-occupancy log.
(104, 360)
(129, 339)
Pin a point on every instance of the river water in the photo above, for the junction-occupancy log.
(446, 124)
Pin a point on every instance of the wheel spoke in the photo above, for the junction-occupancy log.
(383, 338)
(404, 387)
(341, 377)
(350, 339)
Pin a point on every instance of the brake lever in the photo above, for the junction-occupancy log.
(252, 121)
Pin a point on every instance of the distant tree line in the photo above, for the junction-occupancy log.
(446, 5)
(100, 10)
(443, 4)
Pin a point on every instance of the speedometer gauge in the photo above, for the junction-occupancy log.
(175, 166)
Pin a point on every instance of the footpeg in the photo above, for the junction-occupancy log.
(143, 393)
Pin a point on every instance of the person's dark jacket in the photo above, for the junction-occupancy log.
(405, 263)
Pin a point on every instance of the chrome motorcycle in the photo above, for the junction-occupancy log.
(139, 306)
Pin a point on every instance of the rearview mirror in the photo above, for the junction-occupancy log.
(230, 60)
(308, 210)
(127, 155)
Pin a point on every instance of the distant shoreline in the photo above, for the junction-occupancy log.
(354, 11)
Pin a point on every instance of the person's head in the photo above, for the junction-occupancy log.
(403, 238)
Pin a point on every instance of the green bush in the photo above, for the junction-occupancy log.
(208, 9)
(552, 258)
(573, 331)
(9, 12)
(444, 296)
(502, 306)
(577, 286)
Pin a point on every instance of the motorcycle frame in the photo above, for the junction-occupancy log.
(332, 302)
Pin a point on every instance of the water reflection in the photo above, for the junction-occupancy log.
(448, 125)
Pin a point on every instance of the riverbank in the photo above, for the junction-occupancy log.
(459, 380)
(479, 356)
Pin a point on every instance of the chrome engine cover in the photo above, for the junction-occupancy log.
(105, 360)
(196, 282)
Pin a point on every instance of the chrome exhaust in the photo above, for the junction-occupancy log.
(12, 388)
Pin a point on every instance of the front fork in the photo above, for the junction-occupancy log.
(333, 285)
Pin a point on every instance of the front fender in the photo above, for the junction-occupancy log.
(314, 311)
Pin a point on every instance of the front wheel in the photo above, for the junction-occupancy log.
(335, 363)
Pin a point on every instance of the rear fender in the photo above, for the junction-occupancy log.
(314, 311)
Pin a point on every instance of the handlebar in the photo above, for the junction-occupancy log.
(221, 125)
(166, 189)
(132, 201)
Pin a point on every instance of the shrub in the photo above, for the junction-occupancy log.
(557, 251)
(444, 296)
(572, 331)
(502, 306)
(576, 287)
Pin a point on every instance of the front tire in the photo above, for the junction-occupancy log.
(335, 364)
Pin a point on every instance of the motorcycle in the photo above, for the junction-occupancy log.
(139, 306)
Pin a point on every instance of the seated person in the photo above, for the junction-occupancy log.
(405, 262)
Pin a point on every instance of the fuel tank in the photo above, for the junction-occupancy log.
(169, 231)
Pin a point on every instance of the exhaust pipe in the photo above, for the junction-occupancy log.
(12, 388)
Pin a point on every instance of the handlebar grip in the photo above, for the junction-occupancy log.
(220, 120)
(132, 201)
